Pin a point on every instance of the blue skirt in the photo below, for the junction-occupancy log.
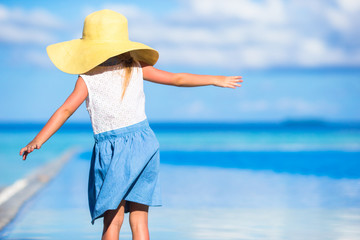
(124, 166)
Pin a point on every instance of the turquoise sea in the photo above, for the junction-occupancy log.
(288, 180)
(315, 148)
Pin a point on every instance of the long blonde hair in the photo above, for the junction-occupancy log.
(125, 61)
(128, 62)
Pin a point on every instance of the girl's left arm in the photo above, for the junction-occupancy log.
(60, 116)
(187, 79)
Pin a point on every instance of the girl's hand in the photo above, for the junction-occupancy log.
(229, 82)
(29, 148)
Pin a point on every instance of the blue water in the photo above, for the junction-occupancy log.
(12, 167)
(261, 181)
(317, 148)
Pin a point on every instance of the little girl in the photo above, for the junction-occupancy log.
(124, 164)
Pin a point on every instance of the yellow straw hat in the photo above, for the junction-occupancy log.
(105, 35)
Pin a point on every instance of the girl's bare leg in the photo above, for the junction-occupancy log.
(113, 220)
(139, 221)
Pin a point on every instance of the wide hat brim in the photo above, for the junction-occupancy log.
(79, 56)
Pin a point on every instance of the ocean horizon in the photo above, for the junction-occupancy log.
(195, 124)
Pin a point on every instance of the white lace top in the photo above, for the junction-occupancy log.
(106, 109)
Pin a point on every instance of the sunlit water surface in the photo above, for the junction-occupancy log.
(262, 184)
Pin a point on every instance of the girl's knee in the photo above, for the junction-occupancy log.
(139, 225)
(138, 215)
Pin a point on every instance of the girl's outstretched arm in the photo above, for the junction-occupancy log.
(187, 79)
(72, 103)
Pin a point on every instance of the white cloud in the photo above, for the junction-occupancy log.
(229, 34)
(254, 34)
(130, 11)
(35, 17)
(292, 106)
(36, 58)
(232, 9)
(27, 26)
(196, 107)
(349, 5)
(189, 55)
(299, 106)
(338, 19)
(254, 106)
(16, 34)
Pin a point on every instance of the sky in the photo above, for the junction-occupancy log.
(299, 59)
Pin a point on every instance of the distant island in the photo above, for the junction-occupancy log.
(307, 122)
